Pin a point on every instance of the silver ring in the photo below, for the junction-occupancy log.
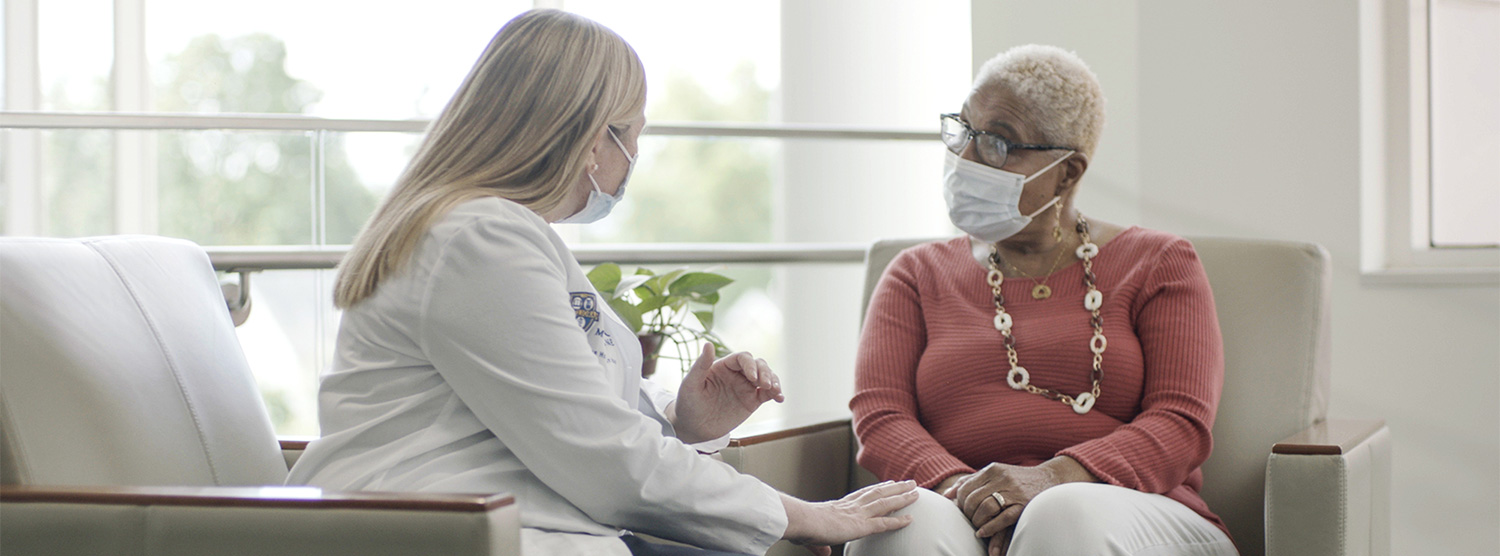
(998, 498)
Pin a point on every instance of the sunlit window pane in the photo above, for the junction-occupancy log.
(698, 67)
(287, 341)
(77, 188)
(361, 169)
(688, 189)
(237, 188)
(75, 49)
(1465, 80)
(331, 59)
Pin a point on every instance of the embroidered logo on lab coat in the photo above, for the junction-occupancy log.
(586, 309)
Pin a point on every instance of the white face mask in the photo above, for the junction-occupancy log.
(985, 202)
(599, 204)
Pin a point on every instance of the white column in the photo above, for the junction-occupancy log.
(135, 151)
(22, 154)
(884, 63)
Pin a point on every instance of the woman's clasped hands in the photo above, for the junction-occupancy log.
(994, 497)
(718, 395)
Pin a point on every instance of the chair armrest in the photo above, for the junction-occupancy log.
(253, 520)
(804, 456)
(292, 448)
(1328, 490)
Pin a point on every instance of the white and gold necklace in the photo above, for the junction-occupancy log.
(1018, 378)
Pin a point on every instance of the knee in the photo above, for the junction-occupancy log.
(1065, 520)
(937, 527)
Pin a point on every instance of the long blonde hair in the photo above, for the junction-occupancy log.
(520, 127)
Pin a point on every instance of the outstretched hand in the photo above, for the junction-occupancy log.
(818, 525)
(716, 396)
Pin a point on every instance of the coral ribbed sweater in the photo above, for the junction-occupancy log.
(930, 393)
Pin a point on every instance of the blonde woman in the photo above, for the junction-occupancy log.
(474, 356)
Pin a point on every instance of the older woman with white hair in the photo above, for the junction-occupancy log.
(1051, 378)
(474, 355)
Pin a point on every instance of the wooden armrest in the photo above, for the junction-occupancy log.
(256, 497)
(1329, 438)
(786, 427)
(294, 442)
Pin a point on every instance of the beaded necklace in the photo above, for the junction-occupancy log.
(1018, 378)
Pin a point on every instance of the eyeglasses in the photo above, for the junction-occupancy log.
(993, 149)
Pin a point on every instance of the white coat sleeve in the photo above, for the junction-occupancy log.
(497, 324)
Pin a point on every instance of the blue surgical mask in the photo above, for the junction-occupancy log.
(599, 204)
(985, 202)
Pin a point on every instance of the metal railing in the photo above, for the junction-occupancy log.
(246, 260)
(250, 259)
(295, 122)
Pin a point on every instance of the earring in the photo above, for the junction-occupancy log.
(1057, 227)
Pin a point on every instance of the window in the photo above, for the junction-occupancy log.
(1431, 130)
(244, 128)
(1464, 83)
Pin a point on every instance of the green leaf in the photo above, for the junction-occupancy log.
(710, 299)
(649, 302)
(658, 284)
(701, 283)
(627, 313)
(629, 283)
(605, 278)
(706, 318)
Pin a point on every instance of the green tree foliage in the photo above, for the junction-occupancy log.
(244, 188)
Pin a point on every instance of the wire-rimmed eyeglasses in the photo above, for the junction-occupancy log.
(993, 149)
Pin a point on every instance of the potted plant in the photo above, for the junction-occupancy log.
(657, 306)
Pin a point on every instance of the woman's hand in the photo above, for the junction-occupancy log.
(949, 482)
(817, 525)
(1018, 485)
(716, 396)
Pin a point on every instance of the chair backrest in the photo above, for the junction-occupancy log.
(119, 366)
(1272, 299)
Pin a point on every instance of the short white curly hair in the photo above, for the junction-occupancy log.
(1061, 92)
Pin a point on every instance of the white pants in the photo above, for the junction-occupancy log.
(1070, 519)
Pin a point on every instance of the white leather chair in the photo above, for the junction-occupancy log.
(131, 424)
(1285, 479)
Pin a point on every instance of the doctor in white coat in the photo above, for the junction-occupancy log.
(474, 355)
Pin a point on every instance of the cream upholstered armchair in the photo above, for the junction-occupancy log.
(130, 424)
(1286, 479)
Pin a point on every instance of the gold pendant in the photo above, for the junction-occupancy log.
(1041, 291)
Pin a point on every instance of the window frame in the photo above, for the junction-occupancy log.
(1395, 157)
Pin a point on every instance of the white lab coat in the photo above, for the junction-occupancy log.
(490, 364)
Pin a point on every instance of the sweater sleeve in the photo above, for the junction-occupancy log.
(1183, 374)
(893, 443)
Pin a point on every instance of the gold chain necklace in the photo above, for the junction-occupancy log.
(1018, 378)
(1041, 290)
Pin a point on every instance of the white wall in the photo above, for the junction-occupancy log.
(1242, 119)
